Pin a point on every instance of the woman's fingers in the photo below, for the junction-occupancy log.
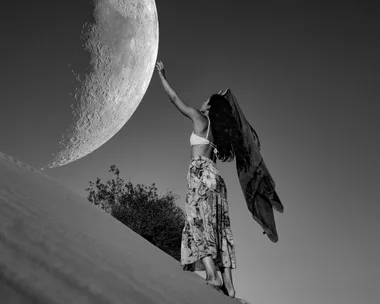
(160, 67)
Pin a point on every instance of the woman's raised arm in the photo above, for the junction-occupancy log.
(194, 114)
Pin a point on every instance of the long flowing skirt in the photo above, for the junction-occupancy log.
(207, 230)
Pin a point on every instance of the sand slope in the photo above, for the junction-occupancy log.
(55, 247)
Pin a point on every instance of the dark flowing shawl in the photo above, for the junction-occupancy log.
(257, 184)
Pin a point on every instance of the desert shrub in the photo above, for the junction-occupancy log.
(156, 217)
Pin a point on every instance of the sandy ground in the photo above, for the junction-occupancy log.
(55, 247)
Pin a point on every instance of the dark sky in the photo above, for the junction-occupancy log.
(306, 74)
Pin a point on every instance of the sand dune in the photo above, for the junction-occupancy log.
(55, 247)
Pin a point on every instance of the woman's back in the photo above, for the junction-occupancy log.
(202, 133)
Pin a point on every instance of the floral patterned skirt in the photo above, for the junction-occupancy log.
(207, 230)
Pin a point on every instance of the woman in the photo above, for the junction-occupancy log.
(207, 241)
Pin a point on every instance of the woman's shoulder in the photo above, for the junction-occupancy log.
(201, 124)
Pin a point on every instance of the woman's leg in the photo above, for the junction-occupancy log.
(227, 281)
(212, 276)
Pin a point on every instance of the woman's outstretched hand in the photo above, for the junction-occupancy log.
(168, 89)
(160, 68)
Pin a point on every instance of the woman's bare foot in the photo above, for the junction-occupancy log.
(214, 281)
(229, 290)
(228, 286)
(216, 287)
(212, 277)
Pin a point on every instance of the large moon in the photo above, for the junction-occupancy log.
(123, 44)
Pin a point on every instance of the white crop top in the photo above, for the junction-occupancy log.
(198, 140)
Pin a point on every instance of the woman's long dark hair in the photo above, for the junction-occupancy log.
(227, 134)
